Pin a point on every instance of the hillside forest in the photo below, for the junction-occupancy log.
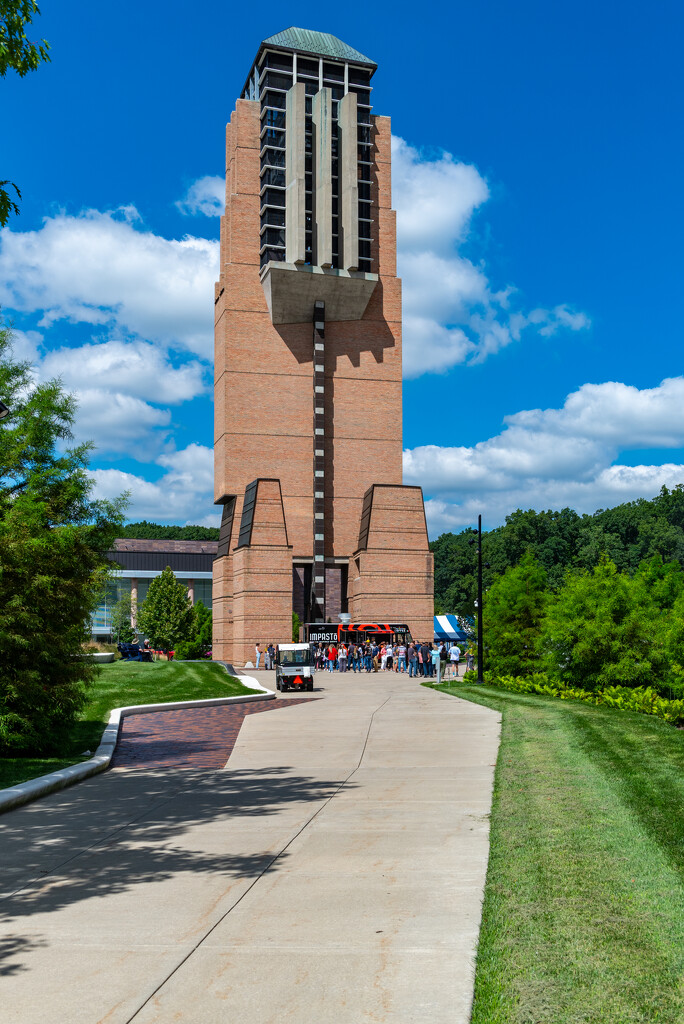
(628, 535)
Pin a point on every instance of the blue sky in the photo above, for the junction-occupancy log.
(537, 182)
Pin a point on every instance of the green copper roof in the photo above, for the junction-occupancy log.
(320, 43)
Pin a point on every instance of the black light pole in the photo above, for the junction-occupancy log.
(478, 603)
(480, 651)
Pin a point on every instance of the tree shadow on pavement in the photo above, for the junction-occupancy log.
(125, 828)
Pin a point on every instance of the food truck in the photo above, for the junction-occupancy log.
(357, 632)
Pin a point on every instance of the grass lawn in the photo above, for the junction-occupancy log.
(119, 684)
(583, 918)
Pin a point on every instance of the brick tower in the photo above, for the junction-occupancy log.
(308, 417)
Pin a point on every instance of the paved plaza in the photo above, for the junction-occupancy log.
(331, 871)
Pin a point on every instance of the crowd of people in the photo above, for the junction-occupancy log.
(416, 659)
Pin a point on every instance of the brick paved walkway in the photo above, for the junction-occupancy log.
(188, 737)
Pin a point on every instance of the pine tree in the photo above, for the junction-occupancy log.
(53, 564)
(165, 616)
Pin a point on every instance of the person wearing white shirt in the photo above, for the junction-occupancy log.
(454, 658)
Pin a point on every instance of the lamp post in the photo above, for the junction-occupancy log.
(478, 603)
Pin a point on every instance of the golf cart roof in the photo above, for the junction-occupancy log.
(293, 647)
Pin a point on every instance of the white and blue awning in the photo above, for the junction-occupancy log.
(447, 627)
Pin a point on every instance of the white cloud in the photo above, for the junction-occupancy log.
(103, 268)
(184, 492)
(552, 458)
(131, 368)
(452, 314)
(119, 387)
(119, 423)
(434, 198)
(206, 196)
(26, 345)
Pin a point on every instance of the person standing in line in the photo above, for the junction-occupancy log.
(367, 656)
(271, 655)
(375, 652)
(342, 657)
(412, 660)
(435, 658)
(383, 657)
(257, 652)
(401, 657)
(390, 656)
(454, 658)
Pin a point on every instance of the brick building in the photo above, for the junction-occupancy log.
(308, 399)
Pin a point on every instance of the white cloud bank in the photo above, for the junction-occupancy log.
(122, 389)
(184, 493)
(552, 458)
(452, 314)
(103, 268)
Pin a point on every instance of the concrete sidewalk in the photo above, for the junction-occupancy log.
(333, 871)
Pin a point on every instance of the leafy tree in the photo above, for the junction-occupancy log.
(513, 613)
(154, 531)
(165, 616)
(663, 580)
(599, 631)
(121, 620)
(53, 544)
(199, 641)
(18, 54)
(672, 635)
(628, 534)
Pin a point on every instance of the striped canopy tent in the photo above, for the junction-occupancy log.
(447, 628)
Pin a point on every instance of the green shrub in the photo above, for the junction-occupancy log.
(642, 699)
(198, 643)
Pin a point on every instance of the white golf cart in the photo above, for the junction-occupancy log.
(294, 667)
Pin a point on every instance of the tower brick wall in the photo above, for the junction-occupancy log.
(262, 373)
(264, 413)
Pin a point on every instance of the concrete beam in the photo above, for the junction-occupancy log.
(322, 176)
(347, 119)
(295, 179)
(292, 290)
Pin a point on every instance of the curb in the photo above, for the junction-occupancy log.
(26, 792)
